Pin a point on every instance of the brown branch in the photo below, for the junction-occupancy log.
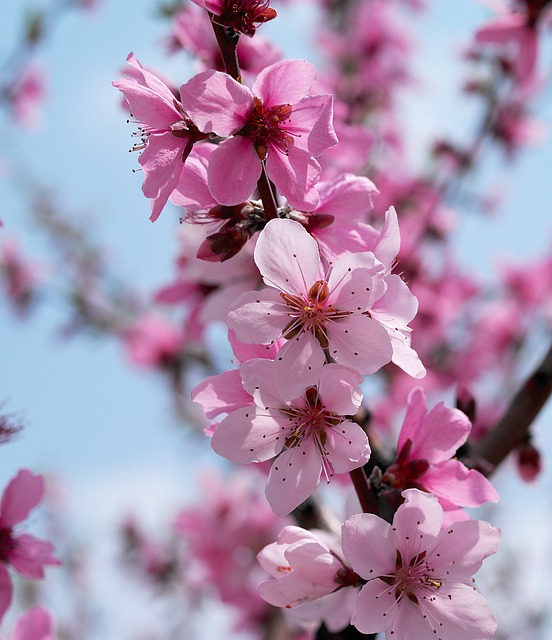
(518, 417)
(367, 499)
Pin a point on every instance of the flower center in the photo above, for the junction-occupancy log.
(311, 313)
(265, 127)
(241, 15)
(415, 579)
(7, 544)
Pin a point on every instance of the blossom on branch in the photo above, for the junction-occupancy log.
(277, 121)
(420, 575)
(240, 15)
(167, 133)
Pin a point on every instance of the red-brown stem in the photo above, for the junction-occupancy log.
(228, 43)
(365, 495)
(518, 417)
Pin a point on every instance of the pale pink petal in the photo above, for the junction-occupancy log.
(311, 124)
(458, 484)
(259, 380)
(234, 170)
(339, 388)
(222, 393)
(6, 590)
(398, 306)
(36, 624)
(290, 590)
(369, 545)
(284, 82)
(461, 548)
(465, 614)
(389, 240)
(348, 196)
(356, 282)
(298, 365)
(249, 435)
(334, 609)
(287, 256)
(410, 622)
(217, 103)
(314, 562)
(147, 106)
(295, 174)
(22, 494)
(348, 446)
(149, 79)
(192, 190)
(257, 317)
(293, 477)
(404, 356)
(415, 412)
(162, 163)
(375, 608)
(417, 522)
(359, 342)
(31, 555)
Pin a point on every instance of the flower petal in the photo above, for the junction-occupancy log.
(284, 82)
(234, 170)
(369, 545)
(22, 494)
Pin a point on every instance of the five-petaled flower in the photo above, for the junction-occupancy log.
(420, 575)
(277, 121)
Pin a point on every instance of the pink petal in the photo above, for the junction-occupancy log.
(348, 196)
(462, 547)
(6, 591)
(314, 562)
(411, 623)
(258, 317)
(340, 390)
(192, 190)
(222, 393)
(417, 522)
(290, 590)
(295, 174)
(249, 435)
(348, 447)
(36, 624)
(234, 170)
(439, 434)
(398, 306)
(458, 484)
(368, 545)
(258, 379)
(389, 240)
(293, 477)
(301, 357)
(284, 82)
(150, 80)
(311, 124)
(217, 103)
(360, 343)
(375, 608)
(22, 494)
(147, 106)
(466, 614)
(31, 555)
(404, 356)
(287, 256)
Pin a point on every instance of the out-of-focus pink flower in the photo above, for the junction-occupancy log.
(20, 275)
(419, 575)
(36, 624)
(27, 97)
(241, 15)
(276, 121)
(152, 341)
(166, 130)
(25, 553)
(427, 443)
(307, 432)
(357, 310)
(309, 566)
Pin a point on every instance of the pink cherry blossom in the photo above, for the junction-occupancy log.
(28, 95)
(166, 130)
(240, 15)
(357, 311)
(277, 122)
(36, 624)
(310, 575)
(419, 574)
(307, 432)
(427, 444)
(25, 553)
(153, 341)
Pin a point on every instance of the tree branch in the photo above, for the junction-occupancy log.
(518, 417)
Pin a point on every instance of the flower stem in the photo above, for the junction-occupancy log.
(364, 492)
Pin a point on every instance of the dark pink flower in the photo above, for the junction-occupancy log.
(427, 445)
(166, 130)
(276, 122)
(420, 575)
(25, 553)
(241, 15)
